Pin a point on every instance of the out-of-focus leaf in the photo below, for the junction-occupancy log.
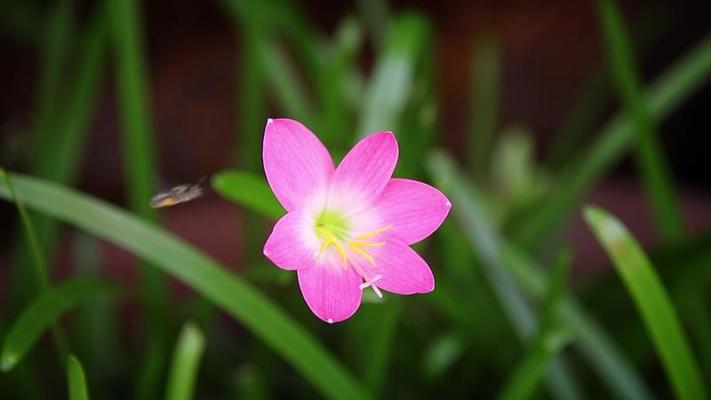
(484, 104)
(441, 354)
(41, 313)
(248, 190)
(679, 82)
(186, 361)
(482, 236)
(225, 290)
(651, 161)
(652, 301)
(76, 380)
(590, 338)
(389, 88)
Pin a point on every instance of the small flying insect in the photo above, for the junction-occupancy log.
(178, 194)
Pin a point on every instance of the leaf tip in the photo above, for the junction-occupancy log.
(7, 362)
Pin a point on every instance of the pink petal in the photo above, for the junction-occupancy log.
(296, 163)
(292, 243)
(365, 170)
(401, 269)
(330, 290)
(414, 209)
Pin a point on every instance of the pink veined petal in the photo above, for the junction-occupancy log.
(401, 269)
(365, 170)
(292, 243)
(296, 163)
(331, 291)
(413, 209)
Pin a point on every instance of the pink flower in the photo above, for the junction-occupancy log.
(347, 228)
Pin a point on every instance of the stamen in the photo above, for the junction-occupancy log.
(371, 283)
(363, 253)
(373, 233)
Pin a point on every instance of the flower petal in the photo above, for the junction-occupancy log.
(413, 209)
(292, 243)
(296, 163)
(401, 269)
(364, 171)
(331, 291)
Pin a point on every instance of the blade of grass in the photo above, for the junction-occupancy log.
(591, 339)
(248, 190)
(389, 87)
(551, 338)
(677, 84)
(186, 361)
(652, 301)
(375, 16)
(139, 164)
(480, 233)
(484, 105)
(41, 313)
(208, 278)
(38, 262)
(76, 380)
(656, 177)
(59, 152)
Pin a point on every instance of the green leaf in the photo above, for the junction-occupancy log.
(41, 313)
(482, 236)
(677, 84)
(76, 380)
(186, 361)
(389, 88)
(484, 105)
(201, 273)
(652, 301)
(550, 340)
(590, 338)
(652, 163)
(248, 190)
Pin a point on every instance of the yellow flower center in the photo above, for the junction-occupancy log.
(333, 231)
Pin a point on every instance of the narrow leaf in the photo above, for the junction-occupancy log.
(652, 301)
(76, 380)
(248, 190)
(186, 361)
(484, 104)
(41, 313)
(652, 163)
(204, 275)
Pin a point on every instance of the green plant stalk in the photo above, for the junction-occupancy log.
(486, 243)
(485, 77)
(76, 380)
(186, 360)
(550, 339)
(677, 84)
(211, 280)
(59, 154)
(38, 262)
(590, 338)
(652, 301)
(140, 171)
(650, 158)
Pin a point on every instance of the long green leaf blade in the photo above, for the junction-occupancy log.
(652, 301)
(481, 234)
(186, 361)
(592, 341)
(76, 380)
(679, 82)
(41, 313)
(652, 163)
(248, 190)
(201, 273)
(484, 105)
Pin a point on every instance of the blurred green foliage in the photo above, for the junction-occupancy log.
(504, 319)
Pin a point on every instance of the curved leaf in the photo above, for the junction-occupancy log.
(41, 313)
(248, 190)
(200, 272)
(186, 360)
(651, 300)
(76, 380)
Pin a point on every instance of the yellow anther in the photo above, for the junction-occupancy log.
(368, 244)
(373, 233)
(363, 253)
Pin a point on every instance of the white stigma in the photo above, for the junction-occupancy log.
(371, 283)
